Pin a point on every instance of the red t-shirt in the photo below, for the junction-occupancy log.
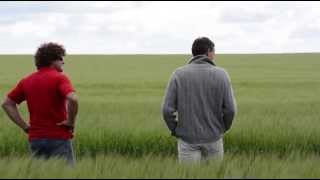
(45, 92)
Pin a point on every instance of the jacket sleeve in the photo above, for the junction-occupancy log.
(169, 106)
(229, 103)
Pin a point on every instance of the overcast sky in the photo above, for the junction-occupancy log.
(160, 27)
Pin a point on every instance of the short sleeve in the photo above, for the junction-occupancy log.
(65, 87)
(17, 94)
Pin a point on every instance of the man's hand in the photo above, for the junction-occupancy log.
(67, 124)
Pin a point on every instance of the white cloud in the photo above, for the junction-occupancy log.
(159, 27)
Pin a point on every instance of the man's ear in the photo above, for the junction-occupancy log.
(208, 52)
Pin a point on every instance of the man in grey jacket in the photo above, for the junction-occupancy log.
(199, 105)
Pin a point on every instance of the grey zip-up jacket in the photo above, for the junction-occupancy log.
(199, 105)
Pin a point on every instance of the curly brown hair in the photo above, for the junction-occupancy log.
(47, 53)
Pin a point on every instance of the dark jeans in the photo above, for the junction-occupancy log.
(47, 148)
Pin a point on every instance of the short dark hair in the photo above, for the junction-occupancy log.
(201, 46)
(47, 53)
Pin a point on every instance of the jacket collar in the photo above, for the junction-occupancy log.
(201, 59)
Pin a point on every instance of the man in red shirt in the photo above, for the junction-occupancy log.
(51, 102)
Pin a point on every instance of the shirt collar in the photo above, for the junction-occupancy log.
(46, 69)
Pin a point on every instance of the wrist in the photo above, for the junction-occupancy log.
(70, 125)
(26, 130)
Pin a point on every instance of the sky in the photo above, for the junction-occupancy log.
(107, 27)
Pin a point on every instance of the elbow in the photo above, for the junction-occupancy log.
(166, 113)
(228, 118)
(5, 104)
(72, 98)
(228, 123)
(231, 113)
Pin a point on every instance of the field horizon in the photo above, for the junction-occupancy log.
(120, 127)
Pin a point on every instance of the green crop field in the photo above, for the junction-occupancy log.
(120, 132)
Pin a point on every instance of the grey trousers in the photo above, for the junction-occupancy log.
(197, 153)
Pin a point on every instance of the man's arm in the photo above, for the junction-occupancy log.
(72, 108)
(229, 104)
(10, 107)
(169, 106)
